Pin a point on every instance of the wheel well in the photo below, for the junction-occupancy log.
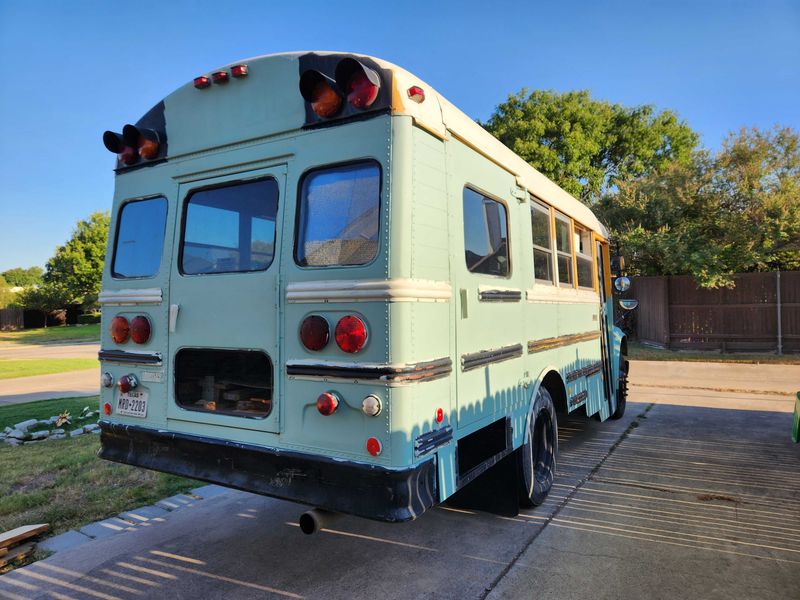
(554, 384)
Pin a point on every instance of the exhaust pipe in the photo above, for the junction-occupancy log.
(315, 519)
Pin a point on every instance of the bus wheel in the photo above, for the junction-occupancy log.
(538, 455)
(622, 388)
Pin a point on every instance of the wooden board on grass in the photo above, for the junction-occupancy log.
(17, 553)
(9, 538)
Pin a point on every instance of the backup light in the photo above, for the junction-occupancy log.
(350, 334)
(371, 406)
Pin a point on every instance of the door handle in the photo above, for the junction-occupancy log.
(173, 316)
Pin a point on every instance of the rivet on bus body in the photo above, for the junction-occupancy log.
(374, 446)
(371, 406)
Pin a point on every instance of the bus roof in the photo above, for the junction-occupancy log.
(435, 114)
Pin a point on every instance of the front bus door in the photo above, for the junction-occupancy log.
(224, 304)
(605, 340)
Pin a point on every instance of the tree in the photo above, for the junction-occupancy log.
(6, 295)
(44, 298)
(588, 146)
(733, 211)
(19, 277)
(77, 266)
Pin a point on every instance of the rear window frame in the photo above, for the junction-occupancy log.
(301, 181)
(118, 277)
(225, 184)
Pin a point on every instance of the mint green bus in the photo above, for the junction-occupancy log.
(327, 284)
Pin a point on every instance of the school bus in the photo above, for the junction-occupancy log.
(327, 284)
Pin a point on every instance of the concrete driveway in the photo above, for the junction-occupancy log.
(673, 501)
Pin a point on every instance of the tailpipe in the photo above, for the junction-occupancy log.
(315, 519)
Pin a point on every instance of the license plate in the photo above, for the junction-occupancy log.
(132, 404)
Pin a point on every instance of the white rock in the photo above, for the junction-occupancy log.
(16, 434)
(13, 442)
(25, 425)
(76, 432)
(57, 436)
(56, 432)
(52, 420)
(40, 435)
(7, 430)
(92, 427)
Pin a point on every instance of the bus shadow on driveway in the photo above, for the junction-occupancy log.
(670, 501)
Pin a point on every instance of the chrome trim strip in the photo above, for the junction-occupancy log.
(486, 357)
(370, 290)
(578, 398)
(380, 372)
(123, 356)
(586, 371)
(431, 440)
(563, 340)
(130, 297)
(500, 296)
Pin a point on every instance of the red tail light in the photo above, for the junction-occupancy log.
(319, 91)
(327, 403)
(140, 329)
(126, 383)
(360, 83)
(315, 332)
(120, 330)
(201, 82)
(351, 334)
(239, 71)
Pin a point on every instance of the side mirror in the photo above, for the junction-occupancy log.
(622, 284)
(628, 303)
(617, 264)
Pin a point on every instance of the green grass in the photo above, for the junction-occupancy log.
(63, 483)
(65, 333)
(637, 351)
(43, 366)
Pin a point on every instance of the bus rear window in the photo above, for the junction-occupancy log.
(339, 216)
(140, 238)
(230, 229)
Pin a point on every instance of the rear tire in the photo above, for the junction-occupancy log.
(622, 388)
(538, 454)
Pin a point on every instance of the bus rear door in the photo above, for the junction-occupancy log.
(224, 304)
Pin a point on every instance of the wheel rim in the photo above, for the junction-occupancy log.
(543, 446)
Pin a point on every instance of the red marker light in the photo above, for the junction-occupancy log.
(120, 330)
(126, 383)
(374, 446)
(351, 334)
(106, 409)
(202, 82)
(315, 332)
(439, 415)
(140, 329)
(417, 94)
(239, 71)
(327, 403)
(220, 76)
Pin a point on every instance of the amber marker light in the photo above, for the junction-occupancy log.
(120, 330)
(107, 409)
(320, 92)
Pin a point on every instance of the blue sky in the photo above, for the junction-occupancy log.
(71, 70)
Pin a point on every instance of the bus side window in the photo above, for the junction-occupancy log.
(485, 235)
(583, 252)
(564, 251)
(542, 243)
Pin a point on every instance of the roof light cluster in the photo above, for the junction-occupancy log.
(351, 81)
(221, 76)
(133, 144)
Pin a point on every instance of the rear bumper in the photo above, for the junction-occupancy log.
(368, 491)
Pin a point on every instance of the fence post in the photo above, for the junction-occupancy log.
(778, 303)
(668, 340)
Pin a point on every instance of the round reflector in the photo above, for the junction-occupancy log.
(351, 334)
(315, 332)
(374, 446)
(140, 329)
(439, 415)
(327, 403)
(106, 409)
(120, 330)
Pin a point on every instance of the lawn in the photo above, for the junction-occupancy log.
(62, 482)
(37, 366)
(65, 333)
(637, 351)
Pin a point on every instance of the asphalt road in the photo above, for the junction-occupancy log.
(670, 502)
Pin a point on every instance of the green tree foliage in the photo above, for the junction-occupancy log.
(19, 277)
(45, 298)
(734, 211)
(7, 297)
(589, 146)
(77, 266)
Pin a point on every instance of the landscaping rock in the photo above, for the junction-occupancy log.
(44, 423)
(56, 432)
(7, 430)
(65, 541)
(52, 420)
(40, 435)
(76, 432)
(17, 434)
(25, 425)
(57, 436)
(13, 442)
(91, 428)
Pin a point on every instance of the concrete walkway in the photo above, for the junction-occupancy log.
(44, 387)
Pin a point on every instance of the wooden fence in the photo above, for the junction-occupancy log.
(760, 314)
(11, 318)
